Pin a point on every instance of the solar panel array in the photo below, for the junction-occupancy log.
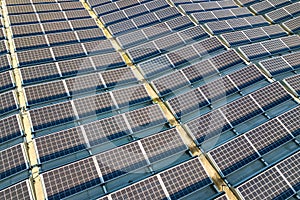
(88, 73)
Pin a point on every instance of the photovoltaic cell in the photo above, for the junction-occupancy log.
(108, 61)
(290, 120)
(76, 66)
(62, 38)
(69, 179)
(106, 130)
(68, 51)
(53, 115)
(113, 78)
(18, 191)
(163, 145)
(143, 51)
(233, 155)
(185, 178)
(129, 158)
(9, 128)
(276, 65)
(155, 66)
(267, 185)
(208, 126)
(145, 118)
(34, 57)
(225, 60)
(12, 166)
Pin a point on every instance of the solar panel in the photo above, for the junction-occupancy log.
(292, 41)
(12, 166)
(169, 42)
(129, 158)
(182, 56)
(170, 83)
(246, 76)
(94, 105)
(45, 92)
(34, 57)
(210, 6)
(53, 7)
(8, 102)
(254, 51)
(113, 17)
(68, 51)
(83, 84)
(267, 185)
(25, 43)
(239, 24)
(276, 65)
(71, 6)
(199, 71)
(145, 118)
(193, 34)
(155, 66)
(225, 60)
(54, 27)
(136, 11)
(275, 46)
(163, 145)
(132, 38)
(271, 96)
(293, 59)
(106, 130)
(293, 9)
(290, 170)
(218, 89)
(39, 73)
(75, 66)
(27, 30)
(20, 9)
(60, 144)
(77, 14)
(156, 30)
(167, 13)
(257, 20)
(108, 61)
(99, 46)
(5, 62)
(207, 126)
(143, 52)
(122, 27)
(268, 136)
(179, 23)
(294, 82)
(233, 155)
(62, 38)
(185, 178)
(290, 120)
(6, 81)
(113, 78)
(262, 7)
(9, 128)
(52, 17)
(151, 189)
(256, 34)
(90, 34)
(219, 27)
(130, 96)
(293, 24)
(222, 197)
(105, 9)
(53, 115)
(278, 15)
(241, 110)
(80, 24)
(207, 46)
(70, 179)
(17, 191)
(126, 3)
(204, 17)
(156, 5)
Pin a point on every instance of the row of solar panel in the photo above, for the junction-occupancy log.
(193, 72)
(282, 14)
(188, 177)
(207, 6)
(271, 47)
(144, 21)
(111, 13)
(282, 64)
(167, 84)
(53, 27)
(56, 53)
(230, 25)
(175, 58)
(237, 112)
(40, 41)
(35, 18)
(188, 35)
(42, 8)
(253, 35)
(280, 181)
(269, 5)
(64, 89)
(255, 143)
